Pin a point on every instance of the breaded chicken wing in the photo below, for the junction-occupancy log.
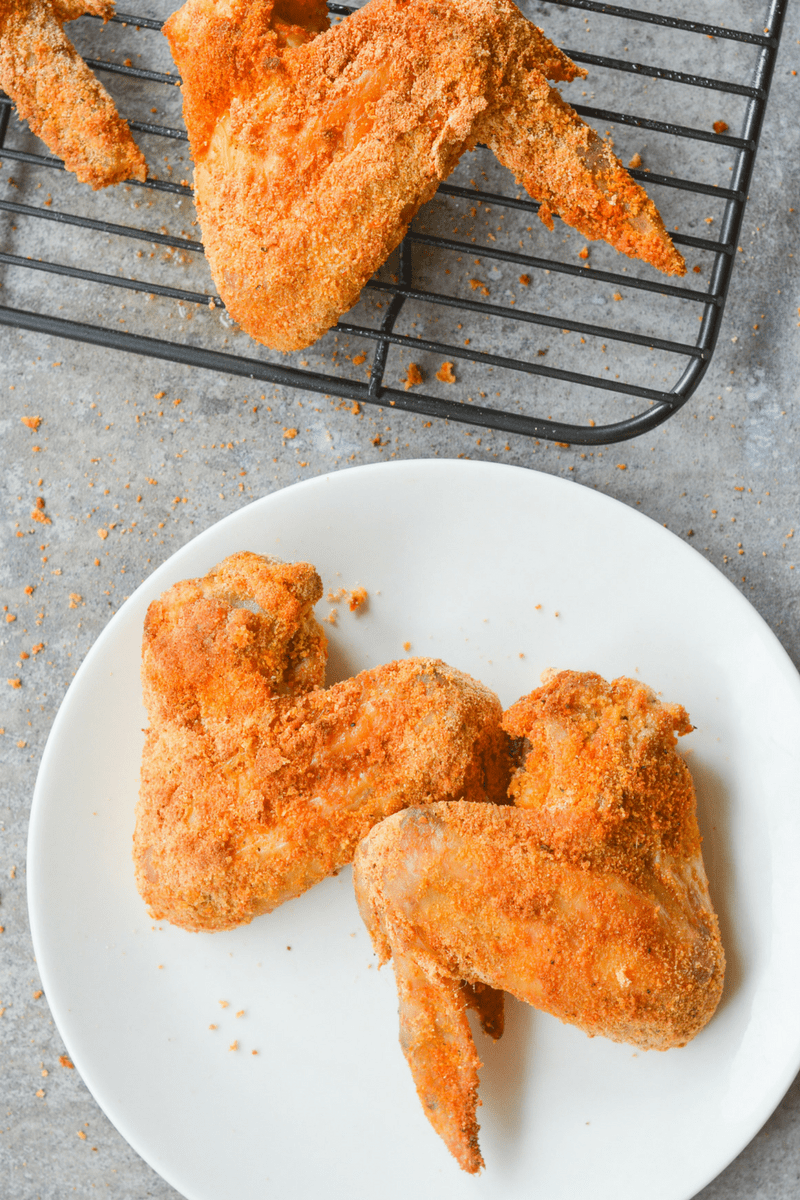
(588, 899)
(570, 170)
(57, 94)
(256, 781)
(314, 151)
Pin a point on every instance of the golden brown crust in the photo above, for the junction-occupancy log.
(59, 97)
(571, 171)
(588, 899)
(313, 153)
(258, 783)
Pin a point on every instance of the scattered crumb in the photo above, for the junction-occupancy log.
(289, 434)
(477, 284)
(223, 1003)
(445, 373)
(32, 422)
(81, 1135)
(635, 162)
(413, 376)
(212, 1027)
(358, 598)
(406, 646)
(66, 1062)
(358, 359)
(332, 616)
(721, 127)
(525, 280)
(233, 1046)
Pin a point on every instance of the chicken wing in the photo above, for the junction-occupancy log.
(587, 899)
(570, 170)
(57, 94)
(256, 781)
(314, 151)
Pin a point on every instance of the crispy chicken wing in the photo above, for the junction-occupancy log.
(313, 151)
(588, 899)
(256, 781)
(57, 94)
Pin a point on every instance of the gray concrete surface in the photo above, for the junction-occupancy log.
(722, 473)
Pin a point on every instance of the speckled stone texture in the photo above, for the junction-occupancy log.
(722, 473)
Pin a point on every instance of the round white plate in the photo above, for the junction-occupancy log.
(501, 572)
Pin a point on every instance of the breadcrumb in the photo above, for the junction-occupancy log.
(413, 376)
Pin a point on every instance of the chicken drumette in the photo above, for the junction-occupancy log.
(587, 899)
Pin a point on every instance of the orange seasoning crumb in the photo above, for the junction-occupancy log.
(584, 253)
(102, 534)
(525, 280)
(358, 598)
(720, 127)
(66, 1062)
(81, 1135)
(413, 376)
(233, 1046)
(358, 359)
(635, 162)
(445, 373)
(289, 434)
(32, 422)
(15, 683)
(406, 646)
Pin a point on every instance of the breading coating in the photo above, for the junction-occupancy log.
(57, 94)
(256, 781)
(588, 899)
(314, 150)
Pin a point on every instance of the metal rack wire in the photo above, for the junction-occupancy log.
(414, 280)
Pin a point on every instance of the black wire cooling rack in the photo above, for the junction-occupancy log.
(495, 274)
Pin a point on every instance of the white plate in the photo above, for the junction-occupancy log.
(479, 565)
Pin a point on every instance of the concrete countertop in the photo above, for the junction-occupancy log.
(721, 473)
